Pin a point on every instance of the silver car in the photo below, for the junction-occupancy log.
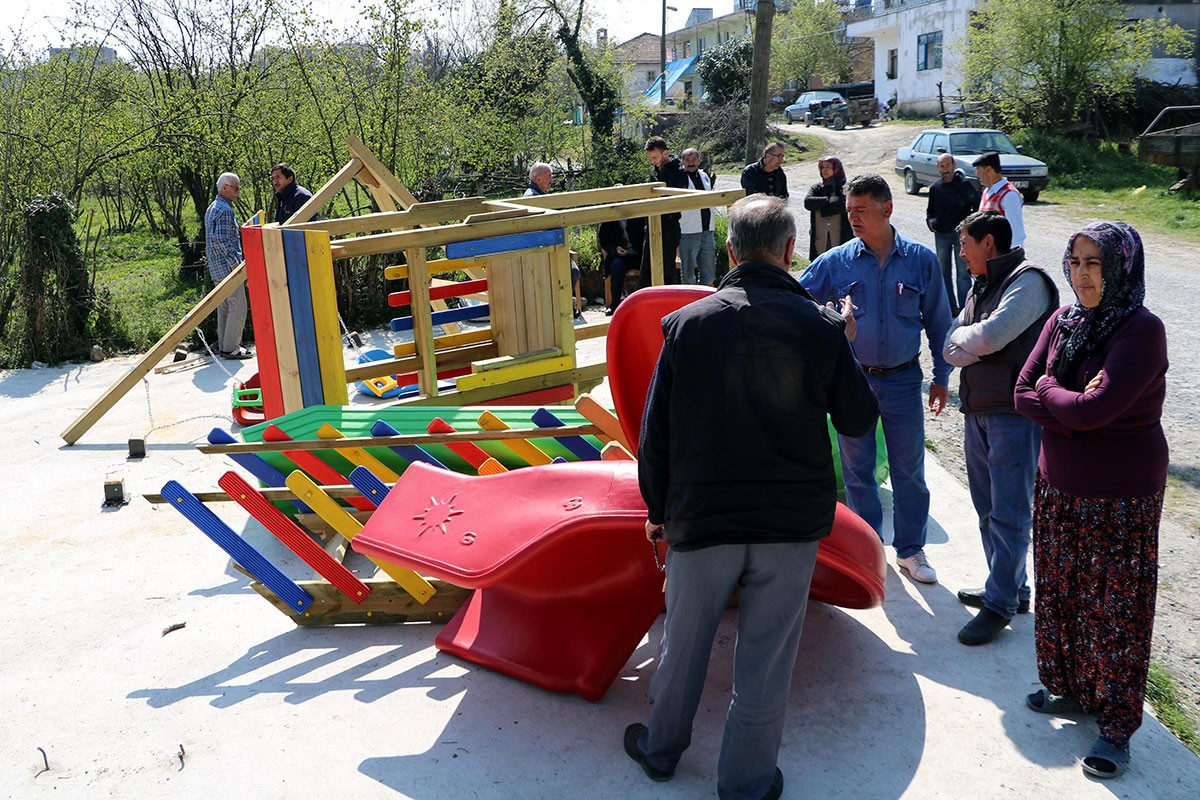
(917, 163)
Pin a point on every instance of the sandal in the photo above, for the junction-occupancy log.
(1045, 702)
(1106, 760)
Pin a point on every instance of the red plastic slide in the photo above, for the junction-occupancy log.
(851, 567)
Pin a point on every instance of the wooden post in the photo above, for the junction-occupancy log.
(656, 250)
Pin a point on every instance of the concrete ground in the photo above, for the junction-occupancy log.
(885, 703)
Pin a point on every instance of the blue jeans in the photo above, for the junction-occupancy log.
(1001, 453)
(903, 417)
(956, 290)
(773, 582)
(698, 248)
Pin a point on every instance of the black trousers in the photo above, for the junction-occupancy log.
(670, 248)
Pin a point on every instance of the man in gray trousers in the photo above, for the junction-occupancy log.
(743, 500)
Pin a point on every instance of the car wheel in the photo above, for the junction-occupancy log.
(910, 183)
(1031, 195)
(839, 123)
(788, 116)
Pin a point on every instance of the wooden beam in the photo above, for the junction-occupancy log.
(397, 190)
(436, 212)
(323, 196)
(233, 281)
(387, 603)
(588, 376)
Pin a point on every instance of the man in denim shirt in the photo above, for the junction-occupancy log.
(223, 251)
(896, 287)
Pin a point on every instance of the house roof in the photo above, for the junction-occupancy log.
(643, 47)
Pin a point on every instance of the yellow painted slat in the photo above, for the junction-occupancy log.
(325, 319)
(516, 372)
(337, 517)
(522, 448)
(358, 456)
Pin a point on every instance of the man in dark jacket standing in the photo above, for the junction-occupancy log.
(745, 502)
(669, 170)
(950, 201)
(765, 176)
(1004, 314)
(289, 195)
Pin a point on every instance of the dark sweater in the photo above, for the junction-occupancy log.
(1107, 443)
(756, 180)
(734, 446)
(950, 203)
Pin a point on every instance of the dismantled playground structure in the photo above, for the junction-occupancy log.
(458, 494)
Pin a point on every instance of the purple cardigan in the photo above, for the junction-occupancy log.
(1108, 443)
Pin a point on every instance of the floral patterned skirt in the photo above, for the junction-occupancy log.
(1095, 567)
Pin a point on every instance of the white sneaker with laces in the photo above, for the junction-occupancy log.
(918, 568)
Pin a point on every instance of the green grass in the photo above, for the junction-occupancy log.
(1164, 699)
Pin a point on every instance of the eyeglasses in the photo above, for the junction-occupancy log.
(780, 156)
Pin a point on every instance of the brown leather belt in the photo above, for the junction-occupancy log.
(885, 371)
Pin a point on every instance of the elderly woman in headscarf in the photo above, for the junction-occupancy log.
(1095, 381)
(826, 203)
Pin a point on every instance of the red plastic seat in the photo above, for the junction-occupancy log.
(566, 583)
(851, 568)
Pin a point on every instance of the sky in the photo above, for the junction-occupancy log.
(624, 19)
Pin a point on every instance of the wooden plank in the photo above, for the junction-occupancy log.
(418, 284)
(439, 266)
(583, 197)
(501, 362)
(358, 456)
(440, 290)
(477, 248)
(654, 242)
(601, 417)
(161, 348)
(400, 324)
(259, 288)
(516, 372)
(281, 313)
(304, 329)
(323, 196)
(446, 342)
(387, 604)
(325, 318)
(562, 318)
(592, 215)
(437, 212)
(381, 173)
(506, 213)
(522, 448)
(283, 446)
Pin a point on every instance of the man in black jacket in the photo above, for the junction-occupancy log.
(669, 170)
(289, 194)
(736, 468)
(765, 176)
(950, 201)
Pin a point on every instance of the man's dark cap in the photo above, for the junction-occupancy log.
(989, 158)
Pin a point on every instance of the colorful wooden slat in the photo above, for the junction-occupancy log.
(409, 452)
(439, 266)
(304, 331)
(458, 289)
(259, 290)
(445, 342)
(473, 454)
(371, 487)
(237, 548)
(281, 315)
(505, 244)
(519, 370)
(312, 465)
(580, 447)
(615, 451)
(523, 448)
(401, 324)
(292, 535)
(255, 464)
(358, 455)
(325, 319)
(492, 467)
(602, 418)
(346, 525)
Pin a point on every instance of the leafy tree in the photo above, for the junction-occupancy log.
(809, 41)
(1045, 62)
(725, 71)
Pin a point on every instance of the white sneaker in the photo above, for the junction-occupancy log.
(917, 566)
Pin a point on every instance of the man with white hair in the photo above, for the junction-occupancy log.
(223, 251)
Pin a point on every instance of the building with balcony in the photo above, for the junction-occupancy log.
(917, 46)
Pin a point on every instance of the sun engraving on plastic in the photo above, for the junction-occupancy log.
(573, 504)
(437, 515)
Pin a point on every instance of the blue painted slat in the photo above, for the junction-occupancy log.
(579, 446)
(400, 324)
(295, 257)
(504, 244)
(409, 452)
(256, 465)
(235, 546)
(369, 484)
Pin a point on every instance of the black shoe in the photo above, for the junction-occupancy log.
(983, 628)
(776, 786)
(632, 734)
(241, 354)
(974, 599)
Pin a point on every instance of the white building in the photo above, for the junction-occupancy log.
(917, 45)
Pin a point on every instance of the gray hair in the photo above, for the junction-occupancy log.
(226, 178)
(774, 145)
(539, 168)
(760, 225)
(691, 151)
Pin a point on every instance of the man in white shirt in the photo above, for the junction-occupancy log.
(697, 245)
(999, 195)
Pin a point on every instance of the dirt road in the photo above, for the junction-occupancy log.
(1172, 284)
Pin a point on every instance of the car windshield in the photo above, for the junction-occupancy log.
(962, 144)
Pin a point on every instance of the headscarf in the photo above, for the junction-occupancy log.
(1123, 270)
(839, 172)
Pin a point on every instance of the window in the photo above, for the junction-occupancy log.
(893, 68)
(701, 43)
(941, 143)
(929, 51)
(651, 75)
(924, 144)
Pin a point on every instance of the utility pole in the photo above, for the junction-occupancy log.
(760, 70)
